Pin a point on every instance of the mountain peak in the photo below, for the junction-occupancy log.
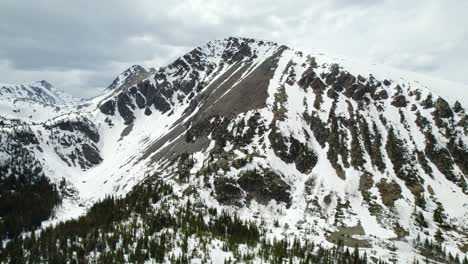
(130, 76)
(45, 84)
(247, 40)
(239, 46)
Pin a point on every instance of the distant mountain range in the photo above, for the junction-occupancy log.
(40, 91)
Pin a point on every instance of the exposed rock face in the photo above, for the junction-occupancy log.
(381, 95)
(265, 186)
(78, 138)
(125, 107)
(457, 108)
(91, 154)
(108, 107)
(83, 126)
(261, 186)
(427, 103)
(291, 150)
(442, 109)
(390, 192)
(228, 191)
(399, 101)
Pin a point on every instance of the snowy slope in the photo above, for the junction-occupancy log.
(319, 124)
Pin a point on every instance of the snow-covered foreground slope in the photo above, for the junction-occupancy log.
(304, 145)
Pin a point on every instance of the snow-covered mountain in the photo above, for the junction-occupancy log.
(40, 91)
(304, 145)
(34, 102)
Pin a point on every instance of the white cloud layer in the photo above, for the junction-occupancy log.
(80, 46)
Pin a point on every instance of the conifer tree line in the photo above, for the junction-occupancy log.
(152, 224)
(433, 250)
(27, 197)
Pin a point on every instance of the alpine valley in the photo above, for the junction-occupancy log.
(240, 151)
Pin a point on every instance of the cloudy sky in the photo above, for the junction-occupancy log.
(81, 46)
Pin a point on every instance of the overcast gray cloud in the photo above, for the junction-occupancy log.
(80, 46)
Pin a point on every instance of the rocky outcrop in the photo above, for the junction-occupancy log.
(290, 150)
(442, 109)
(389, 191)
(91, 154)
(264, 186)
(228, 191)
(81, 125)
(399, 101)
